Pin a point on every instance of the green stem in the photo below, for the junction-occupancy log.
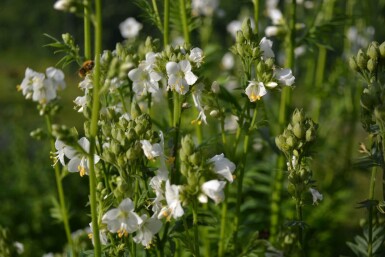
(370, 214)
(156, 11)
(282, 119)
(166, 23)
(246, 144)
(183, 16)
(300, 228)
(94, 128)
(60, 190)
(176, 124)
(256, 15)
(87, 31)
(196, 229)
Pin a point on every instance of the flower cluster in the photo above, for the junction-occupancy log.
(40, 87)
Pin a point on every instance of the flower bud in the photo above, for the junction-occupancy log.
(382, 50)
(215, 87)
(214, 113)
(291, 141)
(246, 29)
(239, 38)
(131, 154)
(310, 134)
(195, 158)
(260, 67)
(297, 117)
(298, 131)
(239, 48)
(373, 51)
(269, 63)
(362, 59)
(115, 147)
(372, 65)
(353, 63)
(188, 145)
(280, 141)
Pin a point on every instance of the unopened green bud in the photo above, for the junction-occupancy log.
(362, 59)
(100, 186)
(140, 129)
(260, 67)
(297, 117)
(188, 145)
(255, 53)
(239, 48)
(121, 160)
(373, 51)
(184, 169)
(382, 50)
(130, 134)
(304, 174)
(298, 131)
(353, 63)
(239, 38)
(108, 156)
(120, 136)
(291, 189)
(269, 63)
(195, 158)
(291, 141)
(280, 141)
(372, 65)
(310, 135)
(115, 147)
(379, 113)
(246, 29)
(131, 154)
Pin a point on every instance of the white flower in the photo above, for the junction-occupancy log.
(130, 28)
(156, 185)
(180, 76)
(144, 80)
(228, 61)
(233, 27)
(81, 102)
(63, 5)
(284, 76)
(223, 166)
(19, 247)
(214, 190)
(255, 90)
(86, 83)
(151, 151)
(204, 7)
(196, 55)
(275, 15)
(316, 195)
(62, 150)
(102, 235)
(57, 78)
(122, 220)
(147, 229)
(174, 208)
(265, 46)
(197, 98)
(78, 161)
(39, 88)
(271, 31)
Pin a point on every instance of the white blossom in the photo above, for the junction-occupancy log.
(123, 219)
(214, 190)
(196, 55)
(317, 196)
(174, 208)
(223, 166)
(180, 76)
(147, 229)
(284, 76)
(130, 28)
(265, 46)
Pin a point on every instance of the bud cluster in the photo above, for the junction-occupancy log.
(295, 143)
(298, 136)
(122, 145)
(246, 46)
(369, 63)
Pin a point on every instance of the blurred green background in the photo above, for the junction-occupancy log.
(27, 183)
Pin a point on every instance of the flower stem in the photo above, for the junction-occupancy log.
(87, 30)
(298, 206)
(256, 15)
(183, 16)
(370, 212)
(246, 144)
(282, 118)
(156, 11)
(196, 229)
(166, 23)
(94, 128)
(60, 190)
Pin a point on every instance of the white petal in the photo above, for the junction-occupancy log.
(185, 66)
(172, 68)
(190, 78)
